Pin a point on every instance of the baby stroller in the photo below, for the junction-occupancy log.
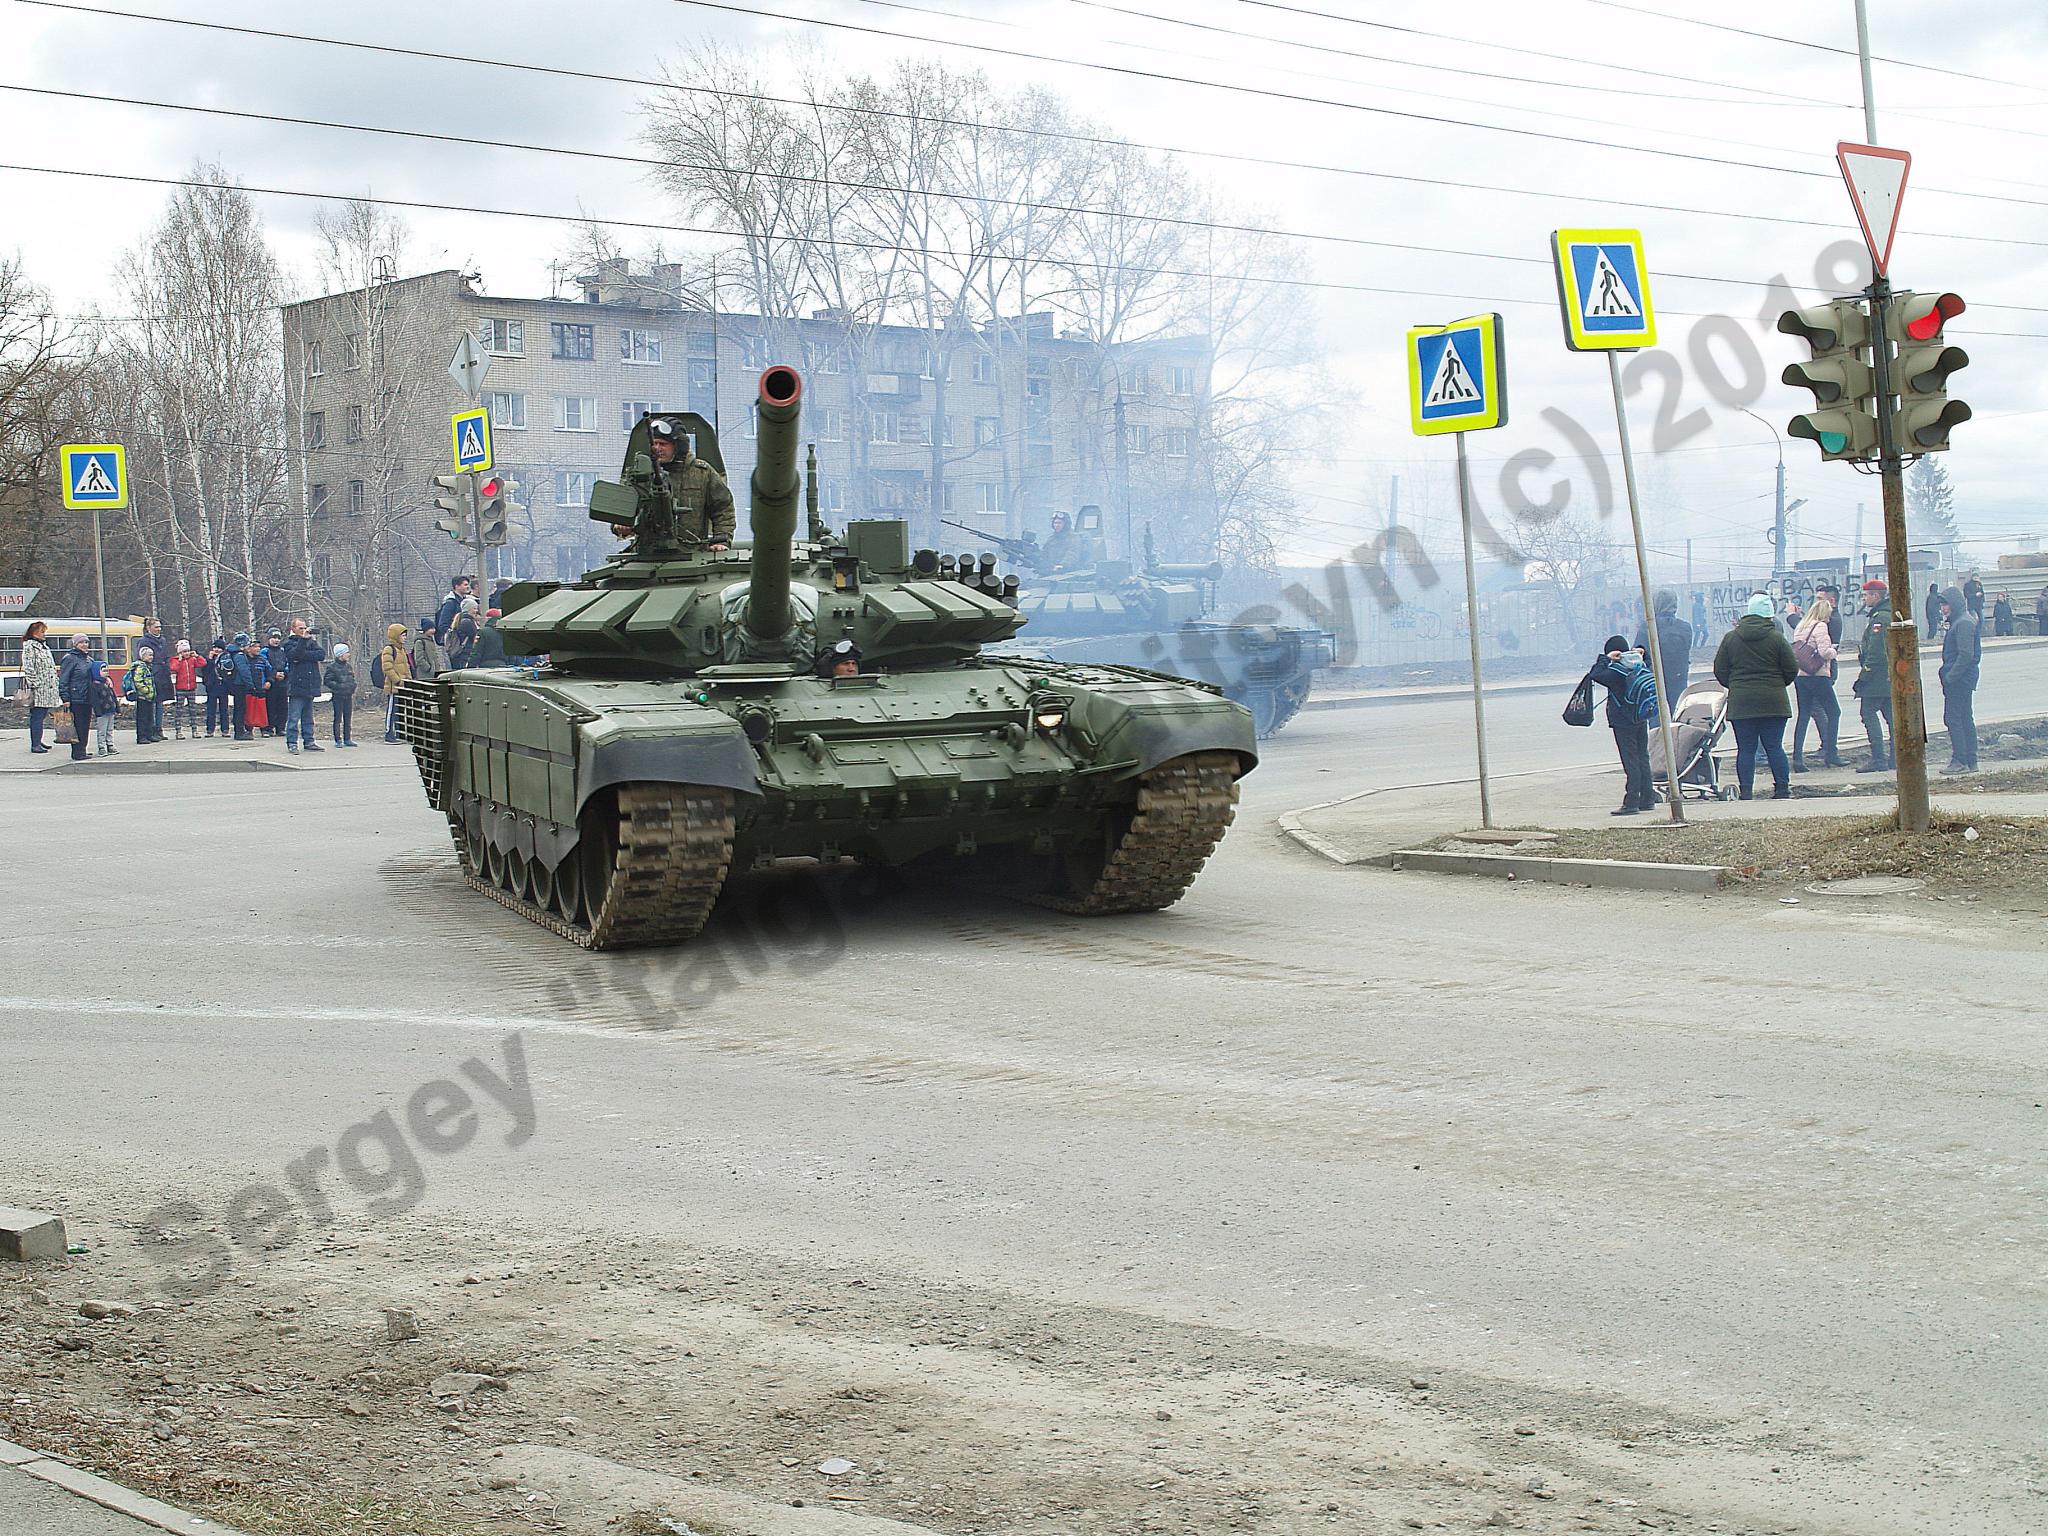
(1697, 725)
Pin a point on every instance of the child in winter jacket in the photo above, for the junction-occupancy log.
(339, 679)
(1623, 672)
(186, 665)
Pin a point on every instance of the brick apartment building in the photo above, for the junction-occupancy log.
(1011, 422)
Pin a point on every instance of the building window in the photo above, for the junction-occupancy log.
(820, 357)
(568, 561)
(1140, 379)
(352, 350)
(704, 385)
(352, 424)
(502, 338)
(889, 496)
(572, 488)
(945, 424)
(316, 430)
(639, 347)
(1137, 437)
(917, 428)
(313, 364)
(316, 496)
(323, 570)
(881, 426)
(986, 430)
(754, 350)
(832, 496)
(358, 498)
(572, 343)
(508, 410)
(704, 343)
(575, 413)
(1180, 380)
(947, 500)
(984, 368)
(988, 496)
(630, 412)
(832, 424)
(1177, 439)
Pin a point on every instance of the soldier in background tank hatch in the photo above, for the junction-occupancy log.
(1065, 547)
(698, 499)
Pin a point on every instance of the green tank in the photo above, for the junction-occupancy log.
(1157, 616)
(685, 723)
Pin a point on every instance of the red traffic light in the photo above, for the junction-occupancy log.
(488, 487)
(1927, 313)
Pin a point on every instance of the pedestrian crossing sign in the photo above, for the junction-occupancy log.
(472, 433)
(1603, 286)
(1457, 376)
(95, 474)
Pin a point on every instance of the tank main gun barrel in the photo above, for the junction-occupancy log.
(1188, 570)
(772, 505)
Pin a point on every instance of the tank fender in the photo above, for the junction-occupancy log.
(702, 754)
(1153, 722)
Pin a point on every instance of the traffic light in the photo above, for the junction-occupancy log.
(454, 499)
(1921, 368)
(1844, 387)
(490, 509)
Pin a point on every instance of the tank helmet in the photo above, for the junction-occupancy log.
(660, 430)
(839, 651)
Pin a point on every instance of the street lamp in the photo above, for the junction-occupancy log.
(1778, 526)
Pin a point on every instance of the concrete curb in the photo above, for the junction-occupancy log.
(1621, 874)
(1290, 825)
(122, 1501)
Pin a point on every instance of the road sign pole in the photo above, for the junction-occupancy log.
(99, 578)
(1472, 626)
(1635, 517)
(1863, 58)
(476, 537)
(1909, 712)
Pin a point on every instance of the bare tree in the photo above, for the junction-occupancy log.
(1568, 556)
(43, 363)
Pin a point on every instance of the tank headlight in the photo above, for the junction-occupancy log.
(1049, 714)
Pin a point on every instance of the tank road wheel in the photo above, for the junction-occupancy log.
(1146, 858)
(649, 862)
(519, 875)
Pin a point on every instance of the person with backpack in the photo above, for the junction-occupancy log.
(75, 679)
(391, 671)
(140, 685)
(1813, 648)
(220, 688)
(429, 658)
(340, 681)
(1755, 664)
(251, 685)
(1631, 705)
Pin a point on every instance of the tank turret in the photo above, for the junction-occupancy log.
(674, 726)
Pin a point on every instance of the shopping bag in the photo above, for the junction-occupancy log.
(259, 710)
(1579, 711)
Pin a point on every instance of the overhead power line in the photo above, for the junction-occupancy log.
(1304, 99)
(1217, 226)
(1800, 42)
(1104, 140)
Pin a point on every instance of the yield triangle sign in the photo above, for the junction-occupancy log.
(1877, 184)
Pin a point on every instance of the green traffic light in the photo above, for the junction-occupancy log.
(1833, 442)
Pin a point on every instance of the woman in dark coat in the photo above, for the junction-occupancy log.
(1756, 665)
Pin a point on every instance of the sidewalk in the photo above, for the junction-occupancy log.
(208, 754)
(1370, 827)
(47, 1497)
(1703, 656)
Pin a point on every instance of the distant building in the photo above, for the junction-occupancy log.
(1012, 422)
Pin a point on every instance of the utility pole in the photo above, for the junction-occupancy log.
(1909, 717)
(1778, 566)
(1393, 521)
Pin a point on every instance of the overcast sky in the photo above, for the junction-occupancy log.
(1976, 210)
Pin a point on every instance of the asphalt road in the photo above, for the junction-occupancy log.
(1765, 1179)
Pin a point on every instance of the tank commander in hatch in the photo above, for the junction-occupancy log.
(698, 502)
(1065, 548)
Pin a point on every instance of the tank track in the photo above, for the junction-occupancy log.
(675, 847)
(1184, 807)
